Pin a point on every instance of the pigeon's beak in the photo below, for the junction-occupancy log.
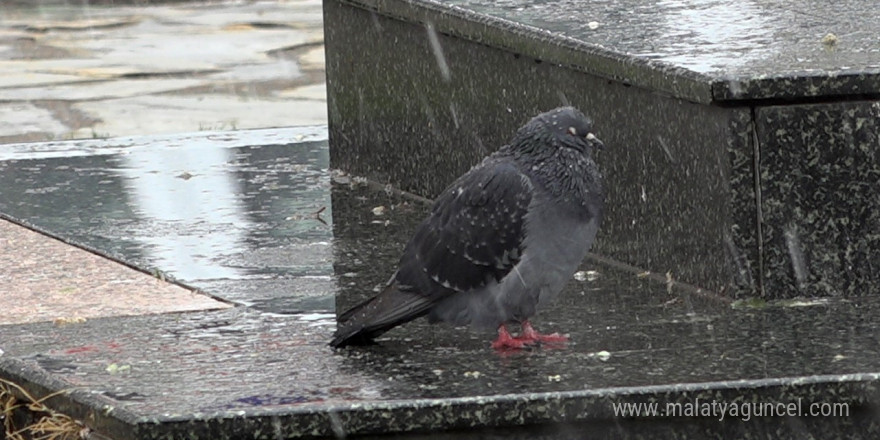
(595, 141)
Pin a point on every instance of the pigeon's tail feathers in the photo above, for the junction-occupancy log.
(377, 315)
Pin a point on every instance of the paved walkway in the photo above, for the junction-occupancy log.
(71, 72)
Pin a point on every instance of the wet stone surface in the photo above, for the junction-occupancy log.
(670, 166)
(236, 214)
(742, 50)
(820, 184)
(625, 333)
(44, 279)
(715, 37)
(706, 51)
(266, 371)
(74, 70)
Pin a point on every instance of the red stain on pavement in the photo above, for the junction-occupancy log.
(111, 346)
(82, 349)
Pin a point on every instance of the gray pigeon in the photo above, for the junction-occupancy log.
(500, 241)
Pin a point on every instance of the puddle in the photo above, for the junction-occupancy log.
(225, 212)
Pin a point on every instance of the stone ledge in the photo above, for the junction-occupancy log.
(598, 52)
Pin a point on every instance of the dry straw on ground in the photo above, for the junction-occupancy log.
(47, 424)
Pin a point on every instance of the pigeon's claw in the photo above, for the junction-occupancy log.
(505, 341)
(530, 335)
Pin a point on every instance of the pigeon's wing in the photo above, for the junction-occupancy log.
(474, 234)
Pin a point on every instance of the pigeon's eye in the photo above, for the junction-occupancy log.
(572, 131)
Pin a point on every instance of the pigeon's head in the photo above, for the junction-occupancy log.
(563, 127)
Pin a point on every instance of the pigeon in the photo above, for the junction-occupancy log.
(500, 242)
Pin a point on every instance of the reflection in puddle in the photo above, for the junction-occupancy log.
(177, 186)
(706, 36)
(230, 213)
(734, 33)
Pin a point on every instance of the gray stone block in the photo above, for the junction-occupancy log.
(820, 193)
(419, 91)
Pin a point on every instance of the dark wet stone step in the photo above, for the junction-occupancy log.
(246, 373)
(706, 52)
(741, 138)
(266, 371)
(243, 372)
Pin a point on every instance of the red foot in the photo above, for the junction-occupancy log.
(530, 335)
(505, 341)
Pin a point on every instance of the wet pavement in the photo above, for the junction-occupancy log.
(98, 71)
(257, 220)
(715, 37)
(212, 210)
(48, 280)
(263, 369)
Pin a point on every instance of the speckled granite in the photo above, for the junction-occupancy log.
(684, 158)
(246, 373)
(820, 186)
(233, 213)
(669, 180)
(741, 249)
(695, 51)
(243, 373)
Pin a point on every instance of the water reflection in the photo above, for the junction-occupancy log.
(732, 33)
(176, 189)
(706, 36)
(229, 213)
